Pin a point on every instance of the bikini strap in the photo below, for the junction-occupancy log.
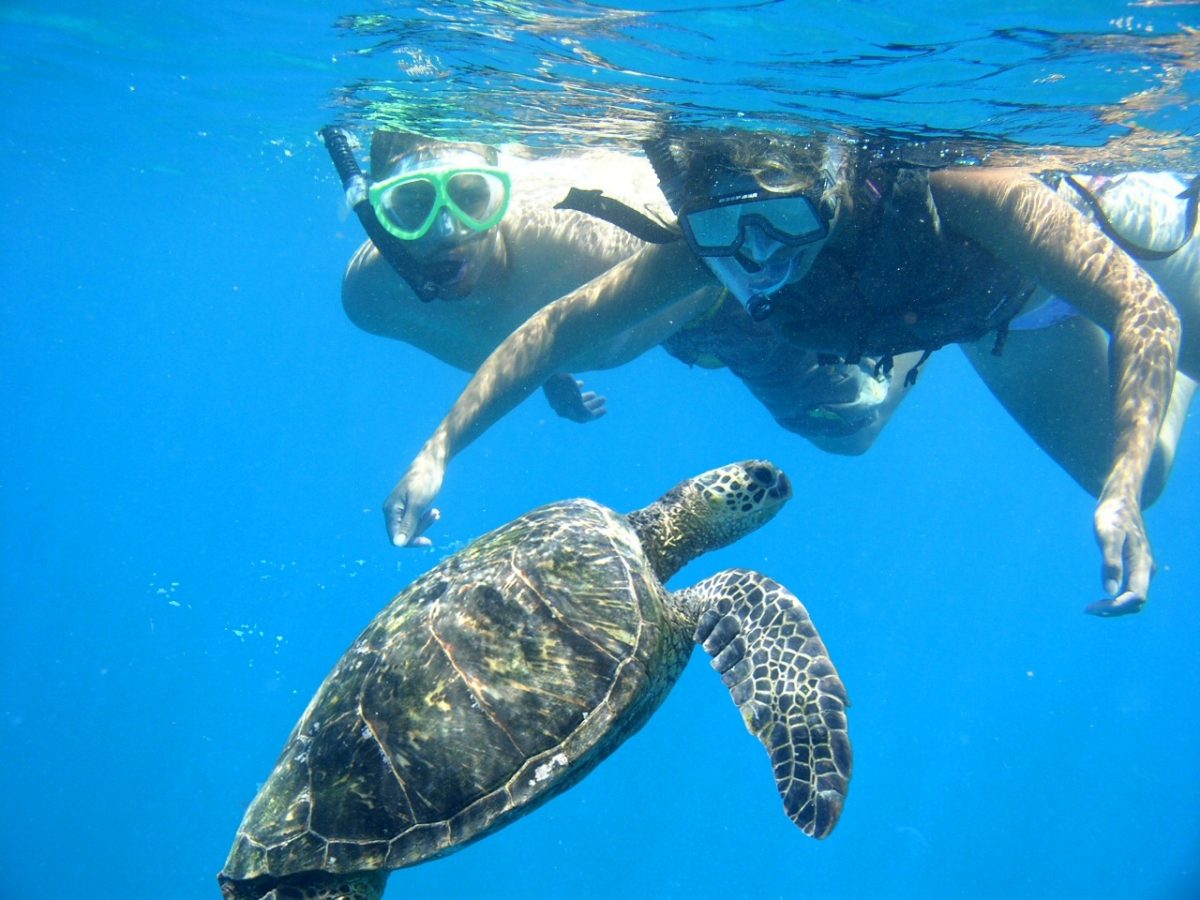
(1191, 194)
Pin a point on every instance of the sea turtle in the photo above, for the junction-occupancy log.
(509, 671)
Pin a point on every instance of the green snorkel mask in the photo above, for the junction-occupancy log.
(408, 203)
(392, 219)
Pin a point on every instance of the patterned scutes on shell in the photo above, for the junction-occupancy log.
(491, 684)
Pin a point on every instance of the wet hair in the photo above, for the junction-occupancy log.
(390, 147)
(818, 166)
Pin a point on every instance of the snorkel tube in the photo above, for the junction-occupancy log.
(354, 183)
(666, 167)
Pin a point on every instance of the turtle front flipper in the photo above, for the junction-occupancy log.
(775, 665)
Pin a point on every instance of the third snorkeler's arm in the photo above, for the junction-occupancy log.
(587, 329)
(1028, 225)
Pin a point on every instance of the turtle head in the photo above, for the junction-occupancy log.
(313, 885)
(709, 511)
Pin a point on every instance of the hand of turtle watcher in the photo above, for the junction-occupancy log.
(567, 398)
(1128, 564)
(408, 510)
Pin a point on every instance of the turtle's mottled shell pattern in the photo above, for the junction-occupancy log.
(492, 683)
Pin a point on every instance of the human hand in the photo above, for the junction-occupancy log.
(1128, 564)
(407, 511)
(569, 400)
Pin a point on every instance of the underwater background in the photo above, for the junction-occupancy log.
(196, 443)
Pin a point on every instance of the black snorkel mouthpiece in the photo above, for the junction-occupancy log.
(354, 183)
(759, 307)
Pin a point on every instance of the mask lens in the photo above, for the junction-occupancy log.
(720, 230)
(477, 195)
(716, 228)
(794, 218)
(409, 204)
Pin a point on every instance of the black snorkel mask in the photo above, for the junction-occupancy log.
(390, 247)
(736, 226)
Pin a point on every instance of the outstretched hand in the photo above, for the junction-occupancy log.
(569, 400)
(408, 510)
(1128, 564)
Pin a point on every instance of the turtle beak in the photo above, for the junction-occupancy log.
(783, 487)
(771, 478)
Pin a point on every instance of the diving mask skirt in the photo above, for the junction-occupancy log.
(754, 240)
(408, 202)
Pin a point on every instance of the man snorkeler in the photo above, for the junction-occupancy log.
(463, 258)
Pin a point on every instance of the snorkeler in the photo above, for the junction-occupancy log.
(462, 250)
(1052, 375)
(852, 254)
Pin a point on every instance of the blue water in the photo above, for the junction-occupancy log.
(196, 444)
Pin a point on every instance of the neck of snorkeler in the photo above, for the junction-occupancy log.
(430, 208)
(756, 222)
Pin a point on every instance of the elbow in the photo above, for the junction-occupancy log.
(355, 311)
(353, 306)
(366, 287)
(364, 309)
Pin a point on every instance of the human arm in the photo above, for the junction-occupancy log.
(596, 326)
(1053, 381)
(1025, 224)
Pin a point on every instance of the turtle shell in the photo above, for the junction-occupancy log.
(491, 684)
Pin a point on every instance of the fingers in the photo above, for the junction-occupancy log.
(593, 404)
(399, 526)
(1127, 564)
(568, 398)
(1114, 527)
(1139, 565)
(403, 531)
(408, 510)
(1127, 603)
(407, 518)
(1112, 570)
(428, 517)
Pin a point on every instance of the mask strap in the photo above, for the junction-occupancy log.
(640, 225)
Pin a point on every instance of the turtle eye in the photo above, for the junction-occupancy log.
(762, 475)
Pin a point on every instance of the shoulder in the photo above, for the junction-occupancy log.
(542, 181)
(982, 185)
(539, 183)
(1006, 209)
(374, 297)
